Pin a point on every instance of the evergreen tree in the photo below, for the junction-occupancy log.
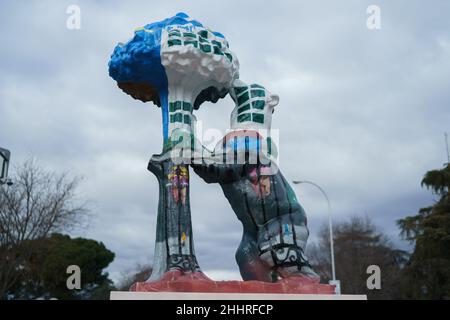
(358, 244)
(45, 275)
(427, 275)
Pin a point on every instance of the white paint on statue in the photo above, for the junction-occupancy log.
(194, 59)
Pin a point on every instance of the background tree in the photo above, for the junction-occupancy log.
(427, 274)
(357, 245)
(38, 204)
(44, 274)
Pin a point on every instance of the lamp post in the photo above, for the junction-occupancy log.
(330, 226)
(4, 164)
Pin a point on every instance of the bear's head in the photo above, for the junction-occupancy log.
(254, 106)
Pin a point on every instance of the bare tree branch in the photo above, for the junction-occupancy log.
(37, 204)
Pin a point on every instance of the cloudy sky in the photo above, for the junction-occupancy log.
(362, 112)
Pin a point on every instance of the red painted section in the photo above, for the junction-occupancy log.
(177, 281)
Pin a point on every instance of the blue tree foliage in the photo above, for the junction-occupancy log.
(139, 60)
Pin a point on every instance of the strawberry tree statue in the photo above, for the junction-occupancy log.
(177, 64)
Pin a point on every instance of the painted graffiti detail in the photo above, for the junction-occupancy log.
(183, 262)
(183, 238)
(260, 181)
(178, 183)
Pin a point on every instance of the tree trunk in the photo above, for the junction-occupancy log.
(174, 247)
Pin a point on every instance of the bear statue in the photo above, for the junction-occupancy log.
(244, 163)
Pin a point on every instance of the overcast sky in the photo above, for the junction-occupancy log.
(362, 112)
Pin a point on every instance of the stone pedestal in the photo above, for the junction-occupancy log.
(178, 281)
(124, 295)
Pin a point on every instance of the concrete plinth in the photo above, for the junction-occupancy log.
(128, 295)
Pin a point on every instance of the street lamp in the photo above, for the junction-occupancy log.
(330, 226)
(4, 164)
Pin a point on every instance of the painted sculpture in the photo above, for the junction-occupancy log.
(178, 64)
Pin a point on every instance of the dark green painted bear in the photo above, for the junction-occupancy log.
(244, 164)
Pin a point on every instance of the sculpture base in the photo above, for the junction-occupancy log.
(175, 281)
(125, 295)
